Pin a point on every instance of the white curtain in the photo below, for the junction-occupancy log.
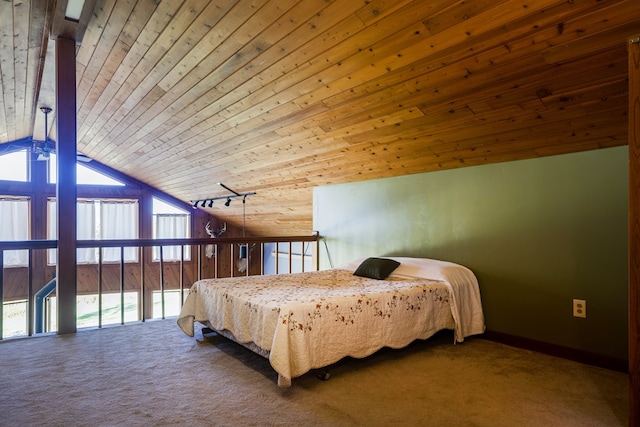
(114, 220)
(14, 226)
(171, 226)
(52, 230)
(85, 230)
(119, 220)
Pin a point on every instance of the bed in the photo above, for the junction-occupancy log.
(310, 320)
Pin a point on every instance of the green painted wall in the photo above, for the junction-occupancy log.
(537, 233)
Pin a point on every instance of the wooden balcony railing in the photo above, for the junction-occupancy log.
(144, 276)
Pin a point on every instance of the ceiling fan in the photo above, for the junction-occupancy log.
(44, 148)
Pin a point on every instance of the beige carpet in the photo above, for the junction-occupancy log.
(152, 374)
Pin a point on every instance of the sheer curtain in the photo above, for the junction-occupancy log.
(85, 230)
(99, 219)
(14, 226)
(52, 229)
(119, 220)
(170, 226)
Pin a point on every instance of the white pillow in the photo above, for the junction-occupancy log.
(425, 268)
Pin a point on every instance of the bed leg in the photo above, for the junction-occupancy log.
(284, 382)
(206, 332)
(324, 375)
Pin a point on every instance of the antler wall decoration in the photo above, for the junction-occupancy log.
(208, 250)
(215, 233)
(208, 202)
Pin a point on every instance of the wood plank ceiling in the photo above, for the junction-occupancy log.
(279, 96)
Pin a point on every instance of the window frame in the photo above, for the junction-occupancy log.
(131, 254)
(170, 210)
(19, 254)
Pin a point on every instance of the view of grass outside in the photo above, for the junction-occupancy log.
(171, 303)
(15, 313)
(14, 322)
(87, 310)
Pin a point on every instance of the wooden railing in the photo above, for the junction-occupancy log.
(205, 258)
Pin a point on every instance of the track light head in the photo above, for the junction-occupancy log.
(209, 202)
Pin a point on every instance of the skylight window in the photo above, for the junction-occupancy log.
(13, 166)
(161, 207)
(85, 175)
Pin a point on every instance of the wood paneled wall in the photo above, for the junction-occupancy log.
(634, 231)
(281, 96)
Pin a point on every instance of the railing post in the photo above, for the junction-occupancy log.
(99, 287)
(232, 259)
(30, 304)
(316, 255)
(162, 281)
(215, 261)
(199, 262)
(247, 254)
(303, 256)
(143, 294)
(1, 292)
(122, 285)
(181, 283)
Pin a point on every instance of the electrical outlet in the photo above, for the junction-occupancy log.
(580, 308)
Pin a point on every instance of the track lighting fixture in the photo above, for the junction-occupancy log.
(203, 202)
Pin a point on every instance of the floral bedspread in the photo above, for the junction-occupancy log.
(311, 320)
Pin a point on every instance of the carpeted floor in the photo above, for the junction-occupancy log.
(152, 374)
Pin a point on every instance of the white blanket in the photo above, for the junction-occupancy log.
(466, 304)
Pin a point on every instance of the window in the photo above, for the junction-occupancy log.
(170, 222)
(14, 212)
(88, 310)
(85, 175)
(172, 304)
(13, 166)
(100, 220)
(15, 318)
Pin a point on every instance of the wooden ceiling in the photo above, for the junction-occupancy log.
(280, 96)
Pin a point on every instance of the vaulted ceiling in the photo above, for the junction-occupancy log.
(279, 96)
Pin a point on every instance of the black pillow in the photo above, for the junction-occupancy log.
(376, 268)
